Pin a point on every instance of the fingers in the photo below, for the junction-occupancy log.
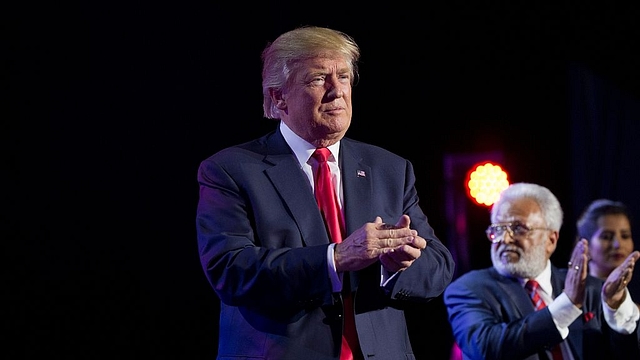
(577, 273)
(627, 267)
(389, 238)
(398, 259)
(393, 243)
(396, 245)
(579, 258)
(391, 264)
(394, 235)
(403, 222)
(613, 290)
(388, 243)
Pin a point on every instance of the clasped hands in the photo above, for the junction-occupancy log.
(396, 246)
(613, 290)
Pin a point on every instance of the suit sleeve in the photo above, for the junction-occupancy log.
(488, 323)
(251, 250)
(430, 274)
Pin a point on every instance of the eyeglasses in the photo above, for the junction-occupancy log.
(517, 231)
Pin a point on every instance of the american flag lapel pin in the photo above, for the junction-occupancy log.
(361, 173)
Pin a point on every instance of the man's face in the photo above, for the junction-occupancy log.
(317, 100)
(523, 255)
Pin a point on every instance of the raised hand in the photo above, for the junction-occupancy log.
(574, 284)
(613, 290)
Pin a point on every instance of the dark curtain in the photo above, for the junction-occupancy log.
(605, 152)
(605, 139)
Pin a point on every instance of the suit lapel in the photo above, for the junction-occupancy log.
(557, 281)
(356, 183)
(358, 194)
(294, 188)
(515, 291)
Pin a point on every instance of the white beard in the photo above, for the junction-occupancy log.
(529, 266)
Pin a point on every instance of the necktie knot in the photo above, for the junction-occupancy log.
(321, 154)
(532, 286)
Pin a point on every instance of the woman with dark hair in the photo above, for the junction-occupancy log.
(606, 224)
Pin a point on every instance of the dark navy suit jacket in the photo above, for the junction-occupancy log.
(263, 247)
(492, 317)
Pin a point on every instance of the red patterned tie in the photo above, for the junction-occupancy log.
(532, 287)
(328, 204)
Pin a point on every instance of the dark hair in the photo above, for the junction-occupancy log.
(587, 223)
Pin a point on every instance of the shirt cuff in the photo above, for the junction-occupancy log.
(564, 313)
(386, 276)
(624, 319)
(336, 279)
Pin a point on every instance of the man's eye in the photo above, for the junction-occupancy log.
(519, 229)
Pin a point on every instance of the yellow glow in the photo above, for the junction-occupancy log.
(486, 183)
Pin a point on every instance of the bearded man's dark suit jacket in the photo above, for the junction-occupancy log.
(263, 246)
(492, 317)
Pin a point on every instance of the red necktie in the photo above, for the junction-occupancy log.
(532, 287)
(326, 196)
(328, 204)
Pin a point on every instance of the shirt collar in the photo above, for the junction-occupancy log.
(543, 279)
(302, 148)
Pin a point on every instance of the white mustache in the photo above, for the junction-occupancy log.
(511, 248)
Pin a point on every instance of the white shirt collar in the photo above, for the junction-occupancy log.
(544, 280)
(302, 148)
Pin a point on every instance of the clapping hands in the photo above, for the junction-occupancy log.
(613, 290)
(398, 258)
(396, 246)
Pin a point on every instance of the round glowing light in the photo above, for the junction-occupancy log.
(486, 182)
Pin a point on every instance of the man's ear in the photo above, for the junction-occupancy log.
(553, 241)
(276, 96)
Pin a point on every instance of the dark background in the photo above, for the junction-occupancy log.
(111, 108)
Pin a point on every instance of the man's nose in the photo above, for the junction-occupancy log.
(507, 237)
(335, 87)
